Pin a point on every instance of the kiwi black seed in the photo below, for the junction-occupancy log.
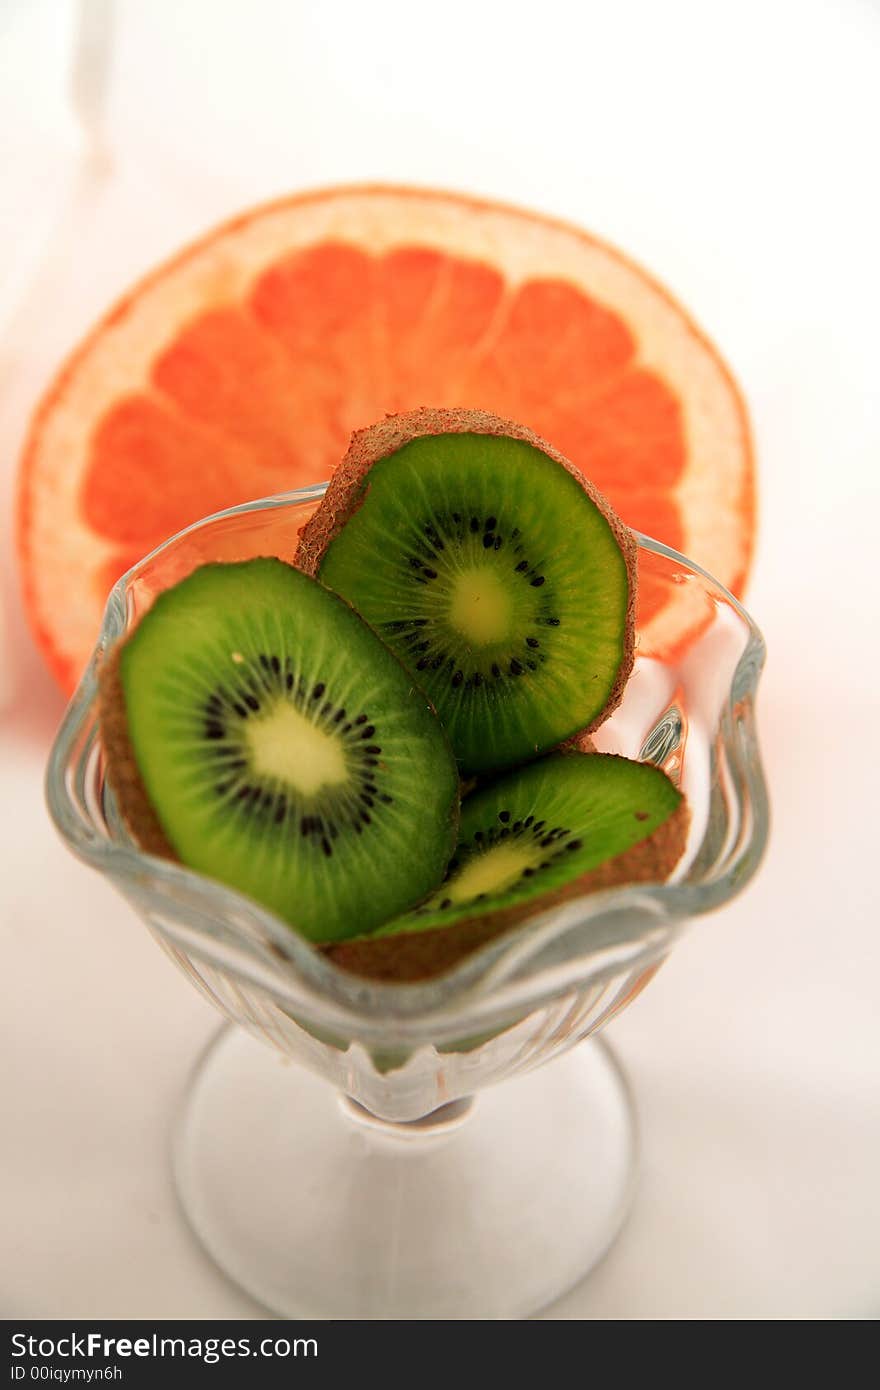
(562, 827)
(259, 732)
(499, 576)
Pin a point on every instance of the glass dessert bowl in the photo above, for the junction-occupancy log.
(415, 1163)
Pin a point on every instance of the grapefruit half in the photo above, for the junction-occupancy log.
(241, 367)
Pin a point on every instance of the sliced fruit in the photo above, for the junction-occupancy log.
(241, 367)
(501, 579)
(259, 732)
(565, 826)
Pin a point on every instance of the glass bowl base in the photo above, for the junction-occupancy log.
(484, 1210)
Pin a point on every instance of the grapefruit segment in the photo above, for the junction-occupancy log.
(226, 372)
(555, 346)
(631, 438)
(319, 307)
(241, 368)
(434, 337)
(143, 458)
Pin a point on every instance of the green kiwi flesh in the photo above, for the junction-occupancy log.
(259, 732)
(566, 825)
(495, 572)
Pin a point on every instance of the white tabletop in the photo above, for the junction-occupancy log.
(731, 149)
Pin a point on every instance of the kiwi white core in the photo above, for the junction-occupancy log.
(481, 609)
(492, 872)
(286, 745)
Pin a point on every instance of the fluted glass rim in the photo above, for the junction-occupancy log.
(586, 940)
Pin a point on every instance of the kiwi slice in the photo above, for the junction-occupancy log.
(258, 731)
(497, 574)
(567, 825)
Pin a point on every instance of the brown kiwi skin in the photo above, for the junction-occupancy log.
(581, 743)
(345, 495)
(414, 956)
(122, 769)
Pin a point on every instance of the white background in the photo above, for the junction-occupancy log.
(731, 148)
